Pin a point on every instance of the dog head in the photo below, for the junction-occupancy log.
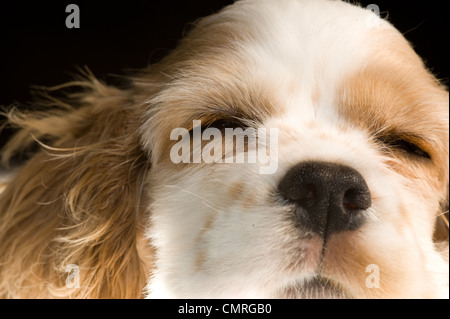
(361, 158)
(285, 149)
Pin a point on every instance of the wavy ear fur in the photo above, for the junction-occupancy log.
(79, 201)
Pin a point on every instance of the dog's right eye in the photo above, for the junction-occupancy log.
(222, 124)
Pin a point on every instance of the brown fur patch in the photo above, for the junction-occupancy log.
(205, 81)
(395, 97)
(78, 201)
(236, 190)
(201, 254)
(249, 202)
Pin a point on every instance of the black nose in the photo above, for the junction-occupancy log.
(329, 197)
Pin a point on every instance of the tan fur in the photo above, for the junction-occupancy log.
(395, 94)
(78, 201)
(84, 198)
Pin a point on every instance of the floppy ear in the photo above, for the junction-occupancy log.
(80, 203)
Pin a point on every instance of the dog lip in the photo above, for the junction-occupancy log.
(316, 288)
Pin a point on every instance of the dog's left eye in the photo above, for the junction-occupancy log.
(411, 148)
(407, 147)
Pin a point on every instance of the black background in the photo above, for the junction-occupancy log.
(280, 308)
(36, 48)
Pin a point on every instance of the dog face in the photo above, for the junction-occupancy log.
(330, 185)
(362, 159)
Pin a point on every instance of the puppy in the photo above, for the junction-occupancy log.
(118, 204)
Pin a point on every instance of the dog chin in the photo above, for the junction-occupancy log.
(315, 288)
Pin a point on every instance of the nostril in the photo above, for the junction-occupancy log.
(307, 195)
(350, 206)
(356, 199)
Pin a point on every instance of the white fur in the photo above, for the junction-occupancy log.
(212, 245)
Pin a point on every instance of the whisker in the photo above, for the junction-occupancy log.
(196, 195)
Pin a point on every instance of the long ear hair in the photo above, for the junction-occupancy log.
(75, 212)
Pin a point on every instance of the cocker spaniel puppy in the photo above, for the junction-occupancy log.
(285, 149)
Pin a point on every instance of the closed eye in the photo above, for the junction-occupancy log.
(224, 123)
(405, 145)
(411, 148)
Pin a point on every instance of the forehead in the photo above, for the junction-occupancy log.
(263, 58)
(284, 49)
